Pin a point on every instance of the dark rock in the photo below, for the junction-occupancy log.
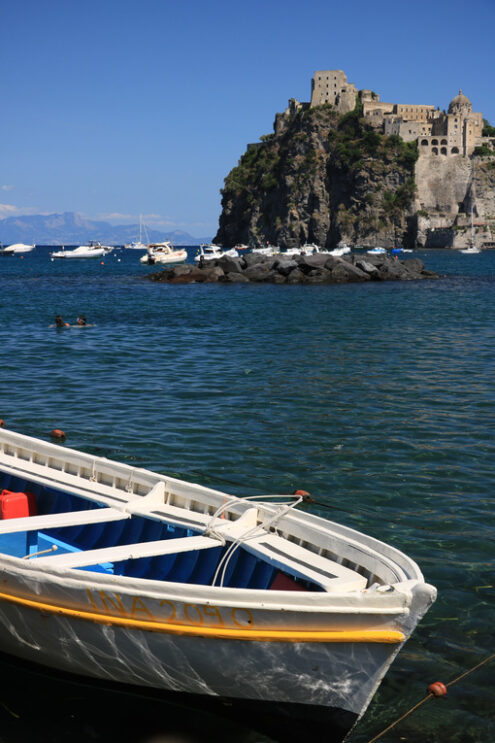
(415, 265)
(310, 269)
(252, 259)
(313, 261)
(233, 277)
(295, 277)
(285, 266)
(344, 271)
(229, 265)
(210, 274)
(392, 271)
(318, 276)
(367, 267)
(258, 272)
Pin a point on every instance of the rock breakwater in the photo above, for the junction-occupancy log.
(296, 269)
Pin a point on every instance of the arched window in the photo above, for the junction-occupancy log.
(444, 141)
(434, 150)
(434, 141)
(455, 150)
(443, 151)
(424, 142)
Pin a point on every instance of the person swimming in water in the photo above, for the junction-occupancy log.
(59, 323)
(81, 320)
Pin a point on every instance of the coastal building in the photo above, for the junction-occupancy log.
(438, 134)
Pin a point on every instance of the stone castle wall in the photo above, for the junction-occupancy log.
(438, 134)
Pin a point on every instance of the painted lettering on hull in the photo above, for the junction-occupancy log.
(195, 615)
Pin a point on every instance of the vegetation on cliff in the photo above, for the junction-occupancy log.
(324, 178)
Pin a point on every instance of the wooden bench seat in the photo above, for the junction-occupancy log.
(58, 520)
(127, 552)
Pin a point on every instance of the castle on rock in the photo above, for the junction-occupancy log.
(438, 134)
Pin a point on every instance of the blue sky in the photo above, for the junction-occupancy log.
(114, 108)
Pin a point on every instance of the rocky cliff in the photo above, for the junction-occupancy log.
(327, 178)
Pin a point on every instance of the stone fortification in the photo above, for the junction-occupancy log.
(457, 132)
(346, 166)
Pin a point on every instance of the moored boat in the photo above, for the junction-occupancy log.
(268, 250)
(118, 573)
(210, 252)
(17, 248)
(92, 250)
(163, 253)
(376, 251)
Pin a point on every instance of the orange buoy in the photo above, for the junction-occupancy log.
(305, 495)
(57, 433)
(437, 689)
(2, 423)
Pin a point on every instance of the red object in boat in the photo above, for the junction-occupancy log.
(283, 582)
(17, 505)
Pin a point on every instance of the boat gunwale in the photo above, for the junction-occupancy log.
(144, 480)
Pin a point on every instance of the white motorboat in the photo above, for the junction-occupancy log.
(341, 249)
(376, 251)
(164, 253)
(17, 248)
(92, 250)
(269, 250)
(212, 251)
(114, 572)
(311, 249)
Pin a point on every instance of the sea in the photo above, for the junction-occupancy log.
(376, 398)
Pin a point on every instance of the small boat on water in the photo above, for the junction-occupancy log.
(341, 249)
(269, 250)
(163, 253)
(114, 572)
(92, 250)
(212, 251)
(472, 248)
(17, 248)
(139, 244)
(376, 251)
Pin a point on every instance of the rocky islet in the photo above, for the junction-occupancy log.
(319, 268)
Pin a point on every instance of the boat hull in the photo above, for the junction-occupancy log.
(144, 713)
(88, 629)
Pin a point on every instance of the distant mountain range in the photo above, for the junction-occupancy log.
(71, 228)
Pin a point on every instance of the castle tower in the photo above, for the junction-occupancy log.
(331, 86)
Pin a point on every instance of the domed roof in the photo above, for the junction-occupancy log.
(460, 101)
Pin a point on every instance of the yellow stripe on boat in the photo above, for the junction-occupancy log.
(220, 633)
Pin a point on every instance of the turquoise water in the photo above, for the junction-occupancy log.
(378, 399)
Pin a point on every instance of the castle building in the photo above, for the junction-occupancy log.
(457, 132)
(331, 86)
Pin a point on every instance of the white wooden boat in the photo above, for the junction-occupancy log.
(122, 574)
(164, 253)
(376, 251)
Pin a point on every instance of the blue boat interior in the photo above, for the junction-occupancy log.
(244, 570)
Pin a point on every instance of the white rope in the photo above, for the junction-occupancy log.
(253, 532)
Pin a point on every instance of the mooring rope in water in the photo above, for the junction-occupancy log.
(441, 690)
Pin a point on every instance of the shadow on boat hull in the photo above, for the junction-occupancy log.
(53, 707)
